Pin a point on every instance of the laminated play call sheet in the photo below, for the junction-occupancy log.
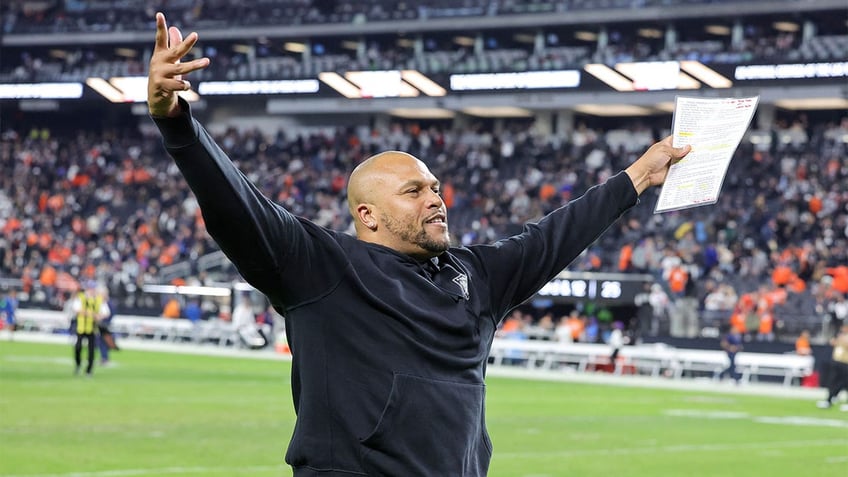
(714, 127)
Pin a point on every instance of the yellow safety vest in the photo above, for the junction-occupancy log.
(87, 316)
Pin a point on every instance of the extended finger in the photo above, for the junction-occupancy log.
(161, 32)
(177, 69)
(168, 85)
(175, 37)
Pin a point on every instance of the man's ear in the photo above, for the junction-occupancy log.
(365, 214)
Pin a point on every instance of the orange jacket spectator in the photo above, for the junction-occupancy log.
(172, 309)
(815, 205)
(781, 275)
(47, 276)
(624, 257)
(677, 279)
(737, 321)
(766, 324)
(802, 344)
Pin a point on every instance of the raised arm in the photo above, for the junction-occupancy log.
(519, 266)
(271, 248)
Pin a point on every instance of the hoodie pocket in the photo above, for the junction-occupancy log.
(429, 427)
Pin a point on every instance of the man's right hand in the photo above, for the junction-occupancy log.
(165, 77)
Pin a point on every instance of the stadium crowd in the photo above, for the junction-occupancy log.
(814, 36)
(105, 16)
(267, 59)
(110, 206)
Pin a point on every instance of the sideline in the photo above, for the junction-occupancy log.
(705, 385)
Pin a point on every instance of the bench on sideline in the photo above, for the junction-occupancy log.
(654, 360)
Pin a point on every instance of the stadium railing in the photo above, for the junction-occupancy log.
(655, 360)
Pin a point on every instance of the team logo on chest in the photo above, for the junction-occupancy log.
(462, 281)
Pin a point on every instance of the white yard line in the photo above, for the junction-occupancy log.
(678, 448)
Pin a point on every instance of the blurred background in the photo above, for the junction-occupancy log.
(518, 107)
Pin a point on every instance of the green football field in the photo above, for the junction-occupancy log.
(160, 414)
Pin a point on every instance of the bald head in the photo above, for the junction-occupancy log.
(394, 200)
(373, 175)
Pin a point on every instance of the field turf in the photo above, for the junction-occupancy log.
(161, 414)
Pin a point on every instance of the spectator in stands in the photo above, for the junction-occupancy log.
(563, 332)
(89, 308)
(394, 314)
(616, 340)
(802, 344)
(8, 307)
(171, 308)
(836, 379)
(731, 343)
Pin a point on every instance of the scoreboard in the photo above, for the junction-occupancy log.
(603, 288)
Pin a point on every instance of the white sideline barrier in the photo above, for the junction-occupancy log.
(534, 354)
(158, 328)
(649, 359)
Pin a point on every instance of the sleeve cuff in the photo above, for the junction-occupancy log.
(178, 131)
(624, 186)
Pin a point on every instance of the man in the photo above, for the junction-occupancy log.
(244, 323)
(105, 337)
(837, 375)
(8, 307)
(89, 308)
(389, 330)
(731, 343)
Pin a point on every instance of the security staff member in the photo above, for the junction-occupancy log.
(89, 308)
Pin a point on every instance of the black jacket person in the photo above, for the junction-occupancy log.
(389, 330)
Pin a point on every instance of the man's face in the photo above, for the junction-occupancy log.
(410, 211)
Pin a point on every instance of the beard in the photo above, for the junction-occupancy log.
(417, 236)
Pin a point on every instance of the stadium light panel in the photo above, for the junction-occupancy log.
(381, 84)
(423, 83)
(651, 75)
(106, 90)
(41, 91)
(812, 103)
(463, 40)
(134, 88)
(497, 112)
(613, 110)
(343, 86)
(517, 80)
(258, 87)
(422, 113)
(711, 77)
(126, 52)
(129, 89)
(719, 30)
(294, 47)
(586, 35)
(685, 81)
(650, 33)
(790, 27)
(609, 76)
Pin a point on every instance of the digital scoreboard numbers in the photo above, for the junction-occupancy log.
(613, 288)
